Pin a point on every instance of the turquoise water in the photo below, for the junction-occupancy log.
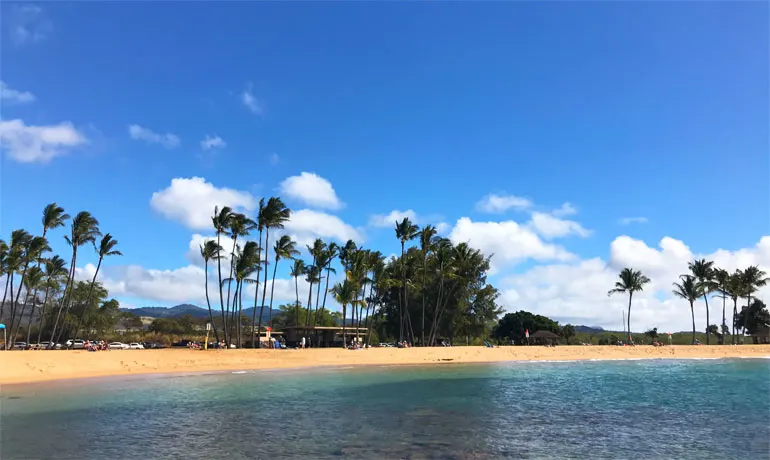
(678, 409)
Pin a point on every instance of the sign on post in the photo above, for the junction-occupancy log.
(208, 327)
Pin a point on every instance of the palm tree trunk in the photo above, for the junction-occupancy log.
(317, 296)
(724, 318)
(15, 328)
(309, 306)
(735, 314)
(240, 312)
(296, 304)
(630, 295)
(31, 312)
(5, 293)
(746, 318)
(320, 317)
(15, 303)
(88, 299)
(705, 298)
(264, 283)
(272, 289)
(692, 310)
(208, 301)
(42, 314)
(344, 312)
(424, 272)
(221, 296)
(67, 290)
(232, 266)
(254, 314)
(401, 300)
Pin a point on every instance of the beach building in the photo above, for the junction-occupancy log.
(762, 335)
(545, 338)
(322, 336)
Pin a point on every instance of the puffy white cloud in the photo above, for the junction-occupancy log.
(632, 220)
(312, 190)
(577, 292)
(191, 201)
(549, 226)
(306, 225)
(494, 203)
(38, 144)
(251, 102)
(167, 140)
(442, 228)
(209, 143)
(509, 241)
(390, 219)
(8, 94)
(564, 210)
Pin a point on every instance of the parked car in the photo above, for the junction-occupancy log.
(153, 345)
(135, 346)
(47, 345)
(117, 346)
(75, 344)
(20, 346)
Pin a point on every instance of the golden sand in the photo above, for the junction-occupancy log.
(35, 366)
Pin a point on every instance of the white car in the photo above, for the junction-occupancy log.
(76, 344)
(135, 346)
(118, 346)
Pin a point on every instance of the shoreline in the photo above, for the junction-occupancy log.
(20, 367)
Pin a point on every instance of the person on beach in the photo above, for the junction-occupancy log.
(302, 343)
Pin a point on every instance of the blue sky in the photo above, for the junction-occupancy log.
(636, 110)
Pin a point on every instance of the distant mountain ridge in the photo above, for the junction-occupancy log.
(187, 309)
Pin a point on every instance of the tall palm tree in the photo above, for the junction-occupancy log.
(55, 268)
(33, 283)
(703, 271)
(246, 264)
(106, 248)
(312, 275)
(221, 222)
(735, 289)
(32, 251)
(240, 225)
(297, 270)
(285, 248)
(14, 260)
(328, 257)
(630, 281)
(344, 293)
(4, 248)
(426, 243)
(753, 278)
(210, 251)
(84, 229)
(317, 252)
(405, 231)
(272, 215)
(689, 290)
(722, 280)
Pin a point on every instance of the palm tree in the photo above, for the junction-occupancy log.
(426, 243)
(14, 260)
(722, 280)
(703, 271)
(221, 221)
(312, 275)
(32, 251)
(285, 248)
(297, 270)
(240, 225)
(753, 278)
(690, 290)
(106, 248)
(54, 269)
(328, 257)
(210, 251)
(33, 283)
(344, 293)
(317, 251)
(4, 248)
(405, 231)
(84, 229)
(736, 291)
(272, 215)
(630, 281)
(246, 264)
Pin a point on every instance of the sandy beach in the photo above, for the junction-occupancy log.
(37, 366)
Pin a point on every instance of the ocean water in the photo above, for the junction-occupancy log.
(655, 409)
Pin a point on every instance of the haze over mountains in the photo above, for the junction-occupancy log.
(187, 309)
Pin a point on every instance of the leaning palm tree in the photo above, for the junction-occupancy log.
(33, 250)
(630, 281)
(703, 271)
(221, 222)
(14, 261)
(240, 225)
(34, 282)
(246, 264)
(210, 251)
(273, 214)
(753, 278)
(318, 252)
(405, 231)
(689, 290)
(106, 248)
(328, 256)
(84, 229)
(285, 248)
(297, 270)
(55, 268)
(344, 293)
(426, 243)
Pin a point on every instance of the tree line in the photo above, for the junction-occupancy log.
(37, 279)
(706, 280)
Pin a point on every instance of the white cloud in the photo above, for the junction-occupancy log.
(197, 240)
(550, 227)
(251, 102)
(577, 292)
(38, 144)
(306, 225)
(565, 210)
(390, 219)
(215, 142)
(508, 242)
(442, 228)
(28, 24)
(312, 190)
(167, 140)
(10, 95)
(494, 203)
(274, 159)
(632, 220)
(191, 201)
